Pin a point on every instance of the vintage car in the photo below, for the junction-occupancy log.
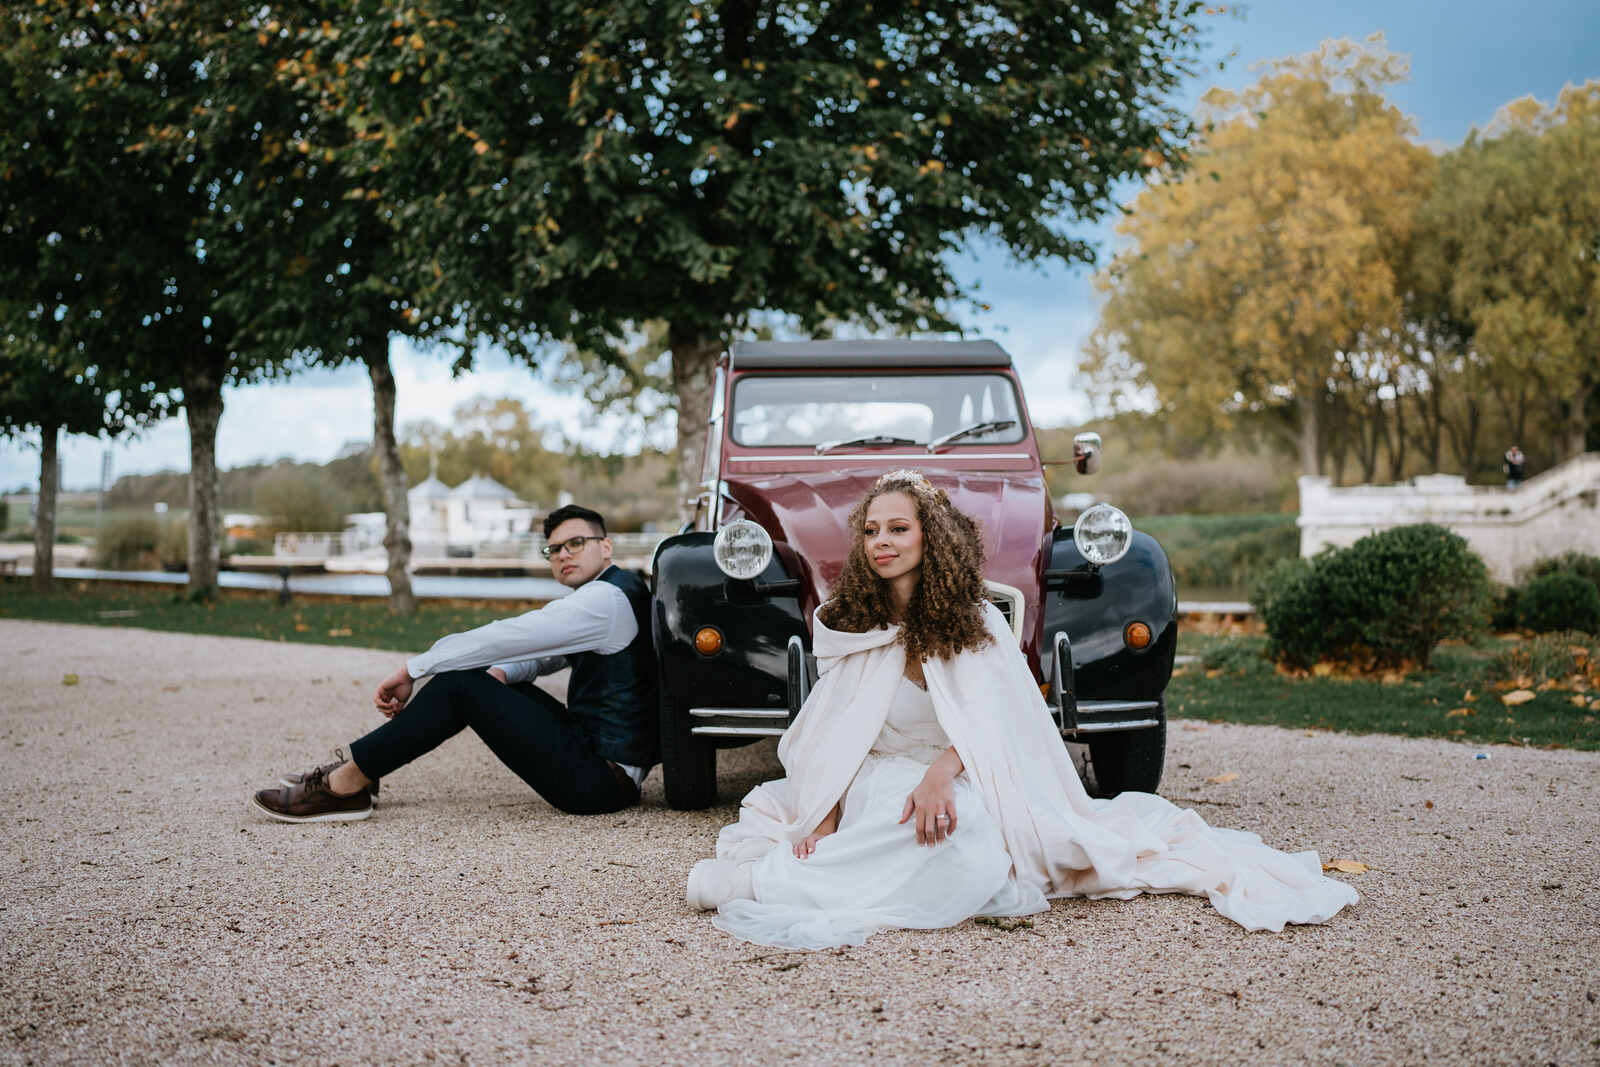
(797, 433)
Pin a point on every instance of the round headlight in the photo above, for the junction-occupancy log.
(742, 549)
(1102, 534)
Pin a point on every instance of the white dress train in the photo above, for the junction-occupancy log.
(871, 874)
(1026, 829)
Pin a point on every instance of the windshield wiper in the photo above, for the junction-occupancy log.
(871, 439)
(967, 431)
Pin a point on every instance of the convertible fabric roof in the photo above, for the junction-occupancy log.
(793, 355)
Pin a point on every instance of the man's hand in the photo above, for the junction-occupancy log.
(393, 692)
(498, 675)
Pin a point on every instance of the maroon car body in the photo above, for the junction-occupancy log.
(769, 462)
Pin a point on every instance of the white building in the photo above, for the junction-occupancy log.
(479, 516)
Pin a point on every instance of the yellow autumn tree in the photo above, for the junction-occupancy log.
(1257, 278)
(1521, 207)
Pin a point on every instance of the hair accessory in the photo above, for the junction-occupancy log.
(905, 474)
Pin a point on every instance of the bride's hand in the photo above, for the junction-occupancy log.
(932, 806)
(808, 844)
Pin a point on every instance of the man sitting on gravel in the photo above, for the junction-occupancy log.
(586, 758)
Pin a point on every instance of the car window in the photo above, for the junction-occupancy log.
(794, 409)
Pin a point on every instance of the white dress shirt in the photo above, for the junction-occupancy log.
(595, 617)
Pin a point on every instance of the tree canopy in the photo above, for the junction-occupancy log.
(1316, 271)
(699, 163)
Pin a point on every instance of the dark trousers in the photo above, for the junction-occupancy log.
(531, 731)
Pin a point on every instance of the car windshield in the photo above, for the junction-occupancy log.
(810, 410)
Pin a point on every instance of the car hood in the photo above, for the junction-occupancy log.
(807, 512)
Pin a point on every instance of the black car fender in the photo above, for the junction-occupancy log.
(1095, 604)
(755, 619)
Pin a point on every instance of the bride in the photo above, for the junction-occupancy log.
(927, 783)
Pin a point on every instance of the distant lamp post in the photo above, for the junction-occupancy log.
(283, 590)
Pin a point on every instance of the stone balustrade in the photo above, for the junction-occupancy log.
(1553, 512)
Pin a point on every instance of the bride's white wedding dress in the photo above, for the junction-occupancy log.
(871, 874)
(1026, 830)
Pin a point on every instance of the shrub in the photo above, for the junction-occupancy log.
(1387, 599)
(1559, 600)
(1288, 599)
(1570, 563)
(128, 544)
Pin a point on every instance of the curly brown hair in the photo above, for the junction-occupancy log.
(945, 615)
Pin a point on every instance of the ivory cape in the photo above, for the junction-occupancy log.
(1060, 840)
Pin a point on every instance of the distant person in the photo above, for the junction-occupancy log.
(1515, 465)
(588, 757)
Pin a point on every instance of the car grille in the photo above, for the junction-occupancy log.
(1009, 601)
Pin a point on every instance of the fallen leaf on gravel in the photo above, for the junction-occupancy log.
(69, 679)
(1517, 696)
(1456, 713)
(1201, 726)
(1347, 866)
(171, 688)
(1428, 804)
(1223, 778)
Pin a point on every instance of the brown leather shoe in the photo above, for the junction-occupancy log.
(312, 801)
(340, 759)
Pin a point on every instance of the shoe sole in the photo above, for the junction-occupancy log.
(332, 816)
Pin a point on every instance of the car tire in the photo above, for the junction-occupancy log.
(688, 764)
(1129, 761)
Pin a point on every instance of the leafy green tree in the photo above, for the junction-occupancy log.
(131, 216)
(1262, 278)
(567, 171)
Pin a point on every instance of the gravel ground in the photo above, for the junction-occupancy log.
(151, 915)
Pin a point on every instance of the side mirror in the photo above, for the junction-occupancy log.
(1086, 452)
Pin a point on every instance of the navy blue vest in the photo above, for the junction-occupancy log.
(615, 695)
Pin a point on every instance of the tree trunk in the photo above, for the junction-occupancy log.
(1310, 433)
(1397, 441)
(1576, 427)
(202, 405)
(44, 519)
(694, 368)
(392, 474)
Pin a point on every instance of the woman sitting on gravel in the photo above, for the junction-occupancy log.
(928, 784)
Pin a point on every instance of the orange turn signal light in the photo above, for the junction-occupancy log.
(708, 641)
(1136, 635)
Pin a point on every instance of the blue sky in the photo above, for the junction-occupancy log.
(1468, 58)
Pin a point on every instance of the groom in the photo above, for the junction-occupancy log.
(587, 757)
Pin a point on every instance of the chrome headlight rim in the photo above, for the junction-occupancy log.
(742, 549)
(1093, 524)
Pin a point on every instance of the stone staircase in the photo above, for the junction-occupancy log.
(1553, 512)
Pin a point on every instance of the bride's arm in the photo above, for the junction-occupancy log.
(829, 823)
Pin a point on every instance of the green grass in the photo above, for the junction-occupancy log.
(359, 622)
(1245, 688)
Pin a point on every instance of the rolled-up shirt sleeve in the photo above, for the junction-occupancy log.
(527, 670)
(595, 617)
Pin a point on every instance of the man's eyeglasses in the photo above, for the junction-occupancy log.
(572, 545)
